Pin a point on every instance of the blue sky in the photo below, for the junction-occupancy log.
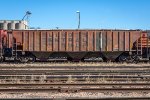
(105, 14)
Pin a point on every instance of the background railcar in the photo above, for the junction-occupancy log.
(3, 39)
(76, 45)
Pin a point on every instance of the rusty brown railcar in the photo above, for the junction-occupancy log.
(3, 37)
(74, 44)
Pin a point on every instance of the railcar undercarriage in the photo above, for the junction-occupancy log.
(122, 57)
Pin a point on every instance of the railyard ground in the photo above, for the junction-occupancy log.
(78, 94)
(77, 64)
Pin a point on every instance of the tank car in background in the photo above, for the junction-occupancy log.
(75, 45)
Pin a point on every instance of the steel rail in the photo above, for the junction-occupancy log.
(85, 98)
(76, 84)
(80, 76)
(74, 89)
(77, 80)
(74, 73)
(108, 98)
(78, 70)
(81, 98)
(69, 67)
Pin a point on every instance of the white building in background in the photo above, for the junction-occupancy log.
(13, 24)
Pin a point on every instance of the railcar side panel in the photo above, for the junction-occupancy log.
(70, 41)
(115, 41)
(121, 41)
(98, 40)
(50, 41)
(90, 41)
(37, 41)
(83, 41)
(110, 39)
(76, 40)
(63, 41)
(26, 41)
(104, 41)
(127, 41)
(31, 41)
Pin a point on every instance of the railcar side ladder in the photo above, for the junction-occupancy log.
(143, 44)
(139, 47)
(14, 48)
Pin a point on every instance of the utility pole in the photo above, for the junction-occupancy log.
(78, 12)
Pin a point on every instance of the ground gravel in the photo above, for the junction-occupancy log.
(75, 95)
(73, 64)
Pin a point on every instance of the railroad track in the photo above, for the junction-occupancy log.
(106, 89)
(39, 79)
(41, 66)
(75, 76)
(63, 71)
(75, 87)
(78, 75)
(74, 72)
(73, 79)
(63, 90)
(106, 85)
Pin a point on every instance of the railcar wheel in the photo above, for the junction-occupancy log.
(23, 59)
(137, 59)
(130, 59)
(122, 58)
(32, 59)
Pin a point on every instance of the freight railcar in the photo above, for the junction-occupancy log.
(74, 45)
